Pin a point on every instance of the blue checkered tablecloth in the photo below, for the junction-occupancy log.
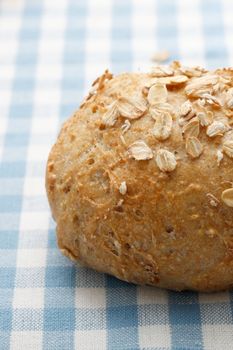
(50, 52)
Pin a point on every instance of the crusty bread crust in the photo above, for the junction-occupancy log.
(140, 180)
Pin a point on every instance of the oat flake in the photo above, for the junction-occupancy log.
(140, 151)
(205, 118)
(194, 147)
(110, 117)
(227, 197)
(192, 128)
(161, 71)
(228, 148)
(123, 188)
(157, 94)
(132, 108)
(219, 157)
(165, 160)
(216, 128)
(163, 126)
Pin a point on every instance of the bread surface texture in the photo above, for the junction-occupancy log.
(140, 180)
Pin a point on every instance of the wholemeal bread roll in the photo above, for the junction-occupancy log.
(140, 180)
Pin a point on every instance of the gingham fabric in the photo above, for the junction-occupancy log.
(50, 52)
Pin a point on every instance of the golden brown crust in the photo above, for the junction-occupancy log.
(137, 179)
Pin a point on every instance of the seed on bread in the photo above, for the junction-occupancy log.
(185, 109)
(159, 108)
(165, 160)
(192, 128)
(227, 197)
(194, 147)
(111, 115)
(157, 94)
(192, 71)
(123, 188)
(140, 151)
(126, 126)
(210, 99)
(132, 108)
(216, 128)
(219, 157)
(212, 200)
(229, 98)
(163, 126)
(205, 118)
(177, 80)
(161, 71)
(228, 148)
(201, 85)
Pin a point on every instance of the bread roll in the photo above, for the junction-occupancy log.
(140, 180)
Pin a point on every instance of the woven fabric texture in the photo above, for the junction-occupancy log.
(50, 52)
